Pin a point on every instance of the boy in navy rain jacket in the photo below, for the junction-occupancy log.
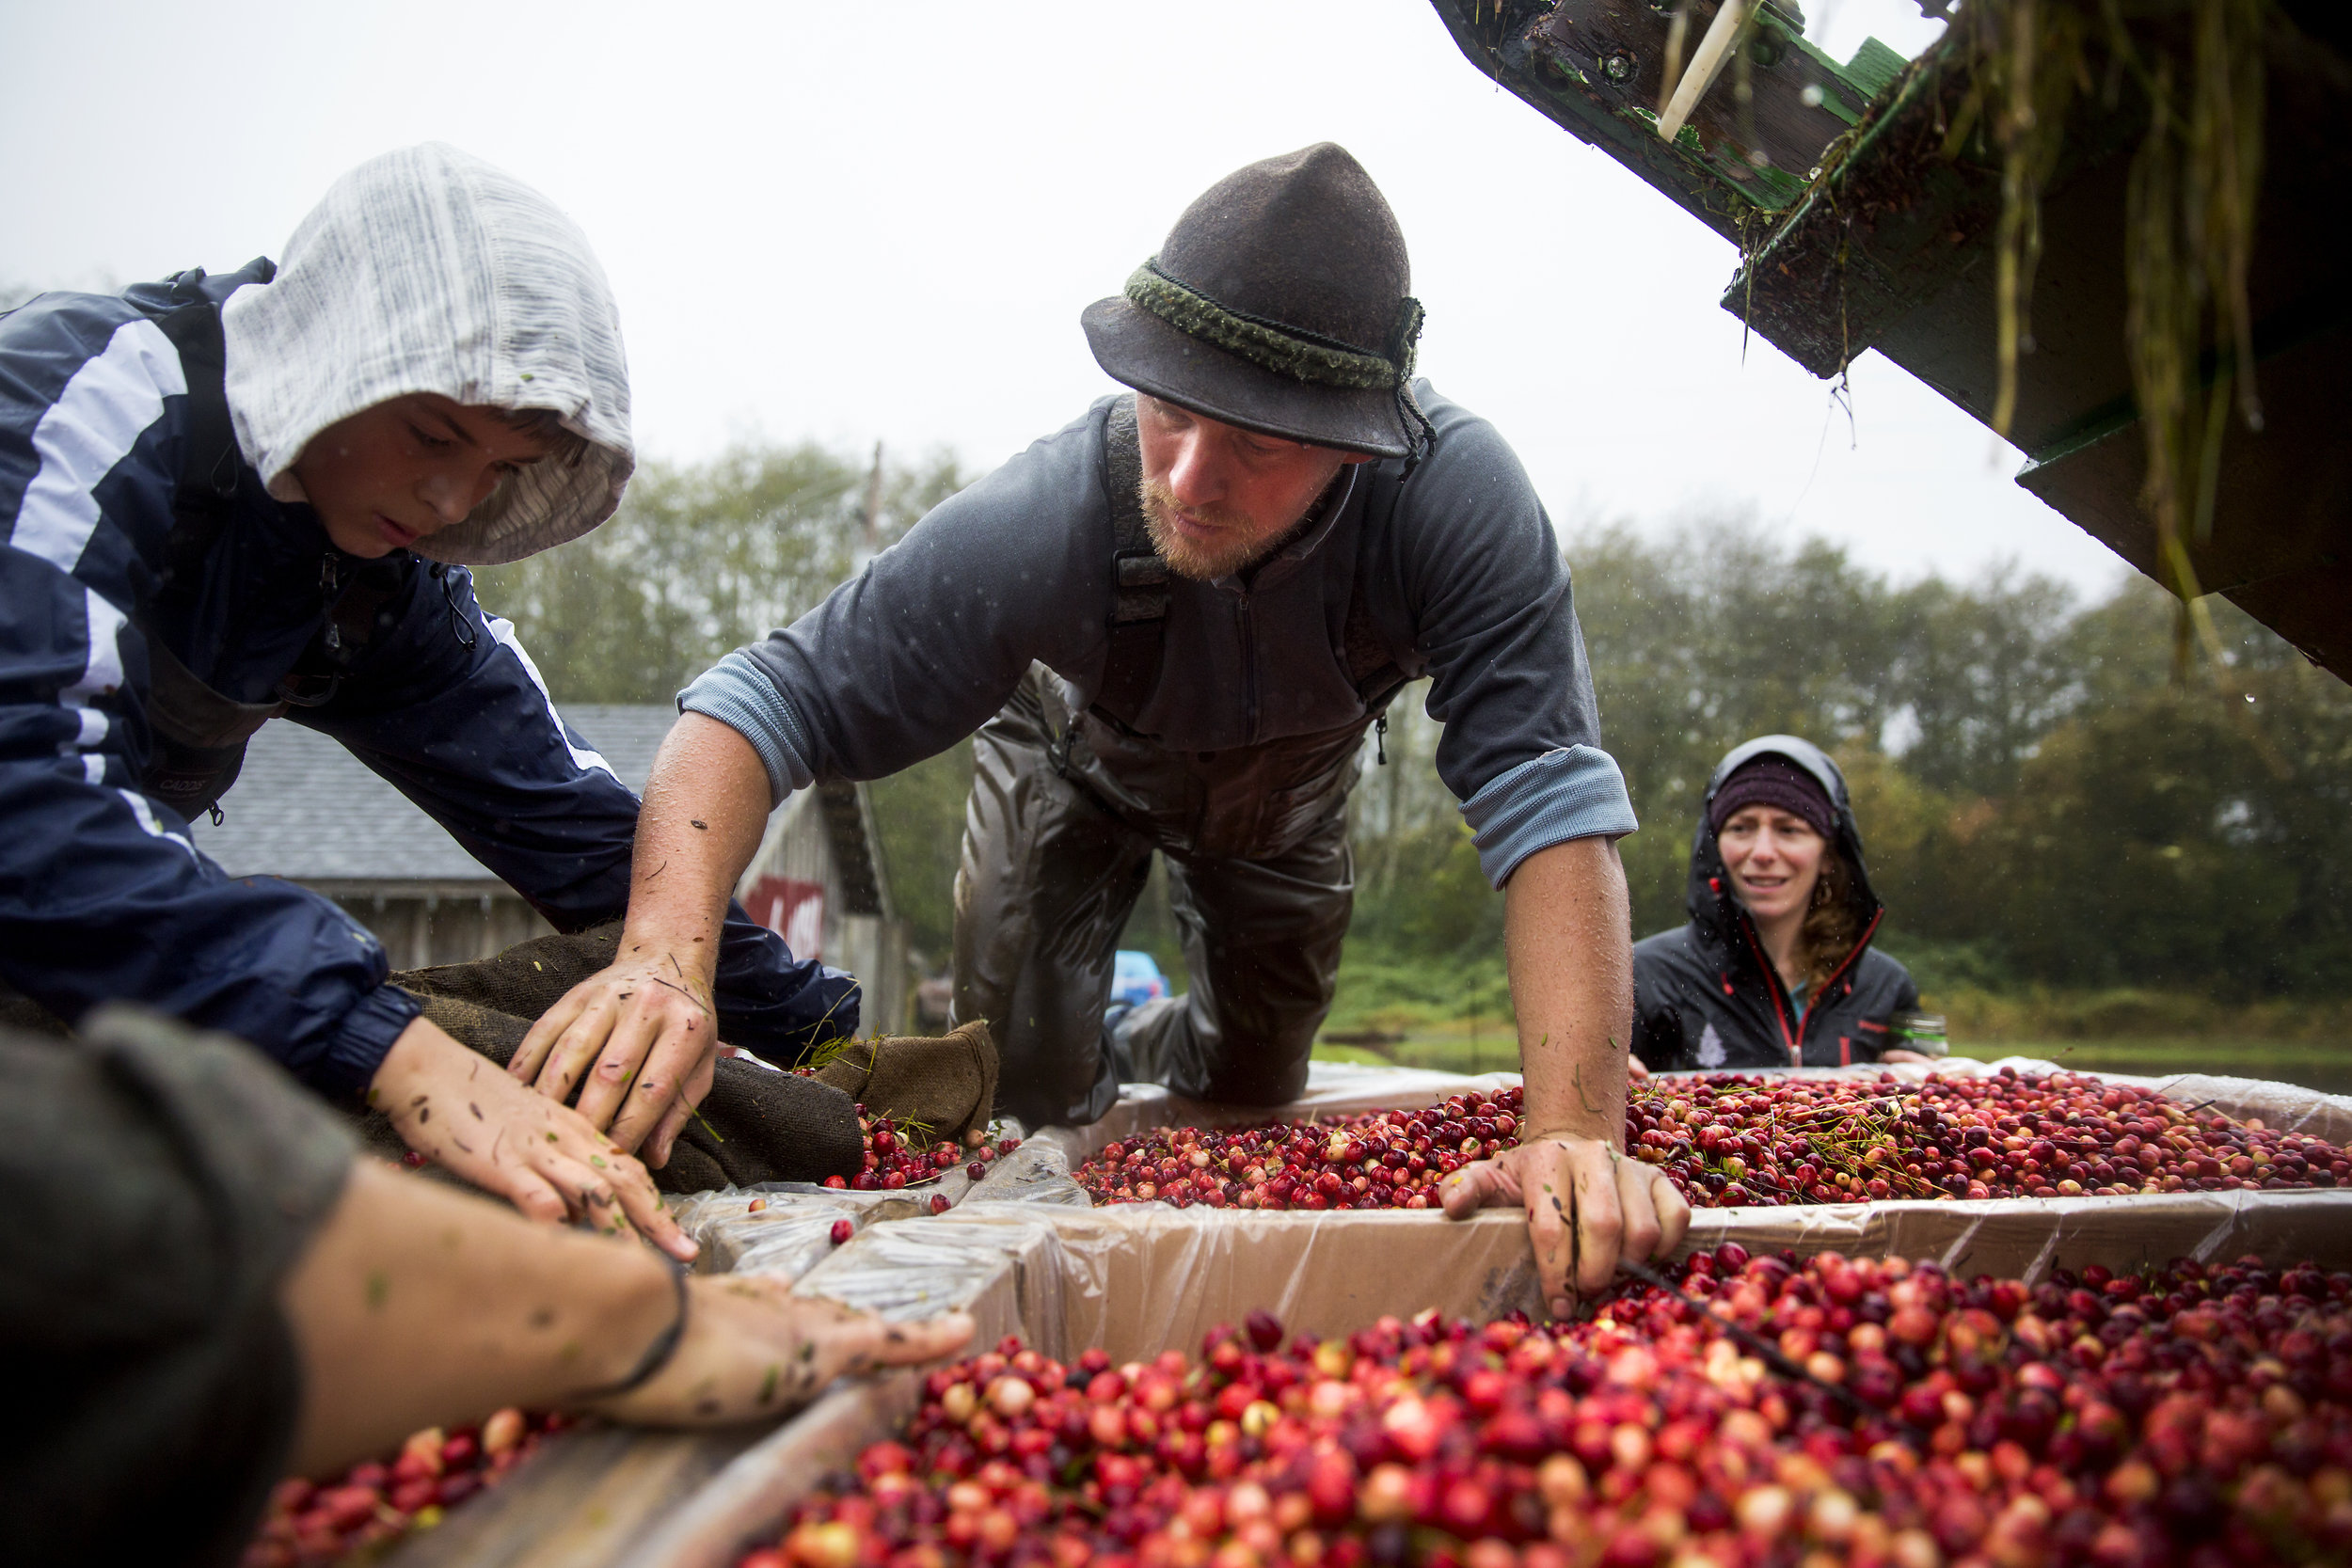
(232, 499)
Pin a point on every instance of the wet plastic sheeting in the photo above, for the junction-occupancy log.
(789, 1235)
(1001, 1263)
(793, 1232)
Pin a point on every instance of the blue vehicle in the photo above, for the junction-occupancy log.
(1136, 978)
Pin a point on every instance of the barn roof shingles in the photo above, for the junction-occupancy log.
(306, 809)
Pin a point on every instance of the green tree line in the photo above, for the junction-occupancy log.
(2041, 799)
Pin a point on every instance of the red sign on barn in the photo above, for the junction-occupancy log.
(792, 909)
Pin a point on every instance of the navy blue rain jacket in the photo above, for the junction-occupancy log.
(102, 893)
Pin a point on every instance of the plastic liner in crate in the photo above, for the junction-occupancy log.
(1000, 1263)
(789, 1233)
(1142, 1276)
(791, 1230)
(1137, 1280)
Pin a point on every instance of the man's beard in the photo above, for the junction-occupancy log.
(1236, 547)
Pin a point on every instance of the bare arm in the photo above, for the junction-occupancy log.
(1566, 925)
(1564, 922)
(644, 1031)
(416, 1306)
(706, 807)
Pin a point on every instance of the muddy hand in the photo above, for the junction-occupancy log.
(454, 1107)
(752, 1348)
(1586, 1205)
(639, 1041)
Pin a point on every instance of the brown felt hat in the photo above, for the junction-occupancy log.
(1279, 303)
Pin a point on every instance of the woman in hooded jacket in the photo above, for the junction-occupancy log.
(1776, 968)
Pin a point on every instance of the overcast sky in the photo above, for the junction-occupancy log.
(855, 220)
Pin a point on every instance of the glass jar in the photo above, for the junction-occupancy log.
(1920, 1032)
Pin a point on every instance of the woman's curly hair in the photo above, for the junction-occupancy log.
(1831, 926)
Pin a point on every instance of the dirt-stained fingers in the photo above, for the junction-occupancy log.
(677, 1072)
(657, 1149)
(1599, 1214)
(752, 1348)
(539, 1040)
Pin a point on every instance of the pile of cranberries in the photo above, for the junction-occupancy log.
(2197, 1417)
(899, 1156)
(1387, 1160)
(1730, 1142)
(379, 1501)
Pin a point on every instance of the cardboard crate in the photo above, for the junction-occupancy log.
(1137, 1279)
(1027, 1255)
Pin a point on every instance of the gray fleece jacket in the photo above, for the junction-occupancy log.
(1458, 575)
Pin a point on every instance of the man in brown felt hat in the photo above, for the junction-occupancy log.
(1171, 624)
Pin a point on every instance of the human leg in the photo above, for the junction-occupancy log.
(1262, 952)
(1047, 880)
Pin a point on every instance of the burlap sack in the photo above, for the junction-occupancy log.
(525, 980)
(755, 1125)
(948, 1084)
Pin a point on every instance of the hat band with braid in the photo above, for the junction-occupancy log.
(1277, 346)
(1292, 351)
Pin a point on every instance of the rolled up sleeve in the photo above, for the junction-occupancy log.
(1575, 792)
(739, 693)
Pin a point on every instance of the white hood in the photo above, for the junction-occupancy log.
(427, 270)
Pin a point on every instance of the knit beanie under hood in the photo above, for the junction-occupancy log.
(1776, 782)
(427, 270)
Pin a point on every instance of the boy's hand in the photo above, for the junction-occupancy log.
(753, 1349)
(1586, 1205)
(454, 1107)
(644, 1035)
